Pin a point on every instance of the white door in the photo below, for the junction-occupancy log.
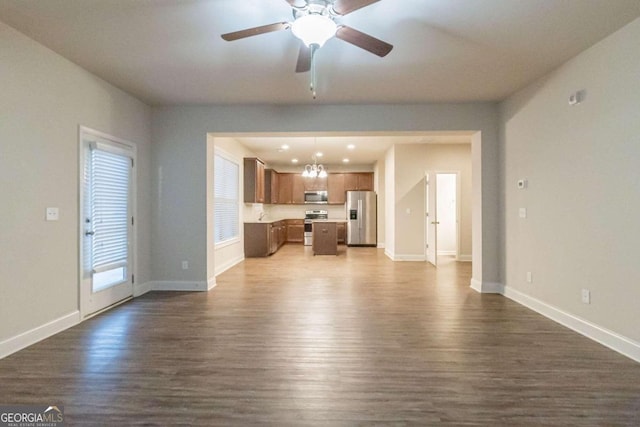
(431, 219)
(106, 222)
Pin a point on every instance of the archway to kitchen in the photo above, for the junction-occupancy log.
(384, 154)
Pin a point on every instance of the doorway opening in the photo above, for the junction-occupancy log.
(442, 216)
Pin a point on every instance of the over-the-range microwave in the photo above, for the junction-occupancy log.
(316, 197)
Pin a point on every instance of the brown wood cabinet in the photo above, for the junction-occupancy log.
(335, 188)
(358, 181)
(315, 184)
(341, 231)
(295, 231)
(285, 188)
(253, 180)
(325, 239)
(262, 239)
(298, 189)
(271, 186)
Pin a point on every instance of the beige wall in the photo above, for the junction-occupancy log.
(582, 166)
(44, 98)
(411, 163)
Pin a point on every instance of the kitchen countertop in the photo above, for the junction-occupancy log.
(271, 221)
(330, 220)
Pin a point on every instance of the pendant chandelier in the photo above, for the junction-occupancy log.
(314, 170)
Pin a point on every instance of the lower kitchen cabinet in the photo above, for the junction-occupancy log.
(262, 239)
(295, 231)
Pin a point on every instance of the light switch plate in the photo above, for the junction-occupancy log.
(52, 214)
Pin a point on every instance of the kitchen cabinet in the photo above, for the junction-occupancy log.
(358, 181)
(253, 180)
(325, 238)
(341, 232)
(295, 231)
(285, 188)
(271, 187)
(262, 239)
(298, 189)
(315, 184)
(335, 189)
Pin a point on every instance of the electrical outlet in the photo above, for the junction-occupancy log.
(529, 277)
(522, 212)
(52, 214)
(586, 296)
(185, 265)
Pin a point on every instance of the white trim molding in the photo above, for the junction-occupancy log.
(221, 268)
(141, 289)
(211, 283)
(25, 339)
(614, 341)
(380, 245)
(179, 286)
(409, 257)
(486, 287)
(464, 258)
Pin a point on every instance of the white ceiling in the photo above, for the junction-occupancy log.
(170, 51)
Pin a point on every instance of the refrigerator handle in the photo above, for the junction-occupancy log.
(360, 213)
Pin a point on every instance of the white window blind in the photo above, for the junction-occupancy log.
(226, 202)
(109, 215)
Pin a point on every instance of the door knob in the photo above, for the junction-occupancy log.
(89, 233)
(435, 222)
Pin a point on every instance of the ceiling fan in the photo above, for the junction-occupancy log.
(314, 23)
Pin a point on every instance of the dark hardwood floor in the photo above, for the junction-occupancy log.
(349, 340)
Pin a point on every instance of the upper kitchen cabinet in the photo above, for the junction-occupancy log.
(271, 186)
(298, 188)
(335, 188)
(360, 181)
(315, 184)
(253, 180)
(285, 188)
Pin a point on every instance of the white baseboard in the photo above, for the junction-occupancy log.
(486, 287)
(141, 289)
(25, 339)
(614, 341)
(380, 245)
(211, 283)
(166, 285)
(464, 258)
(447, 253)
(388, 253)
(219, 269)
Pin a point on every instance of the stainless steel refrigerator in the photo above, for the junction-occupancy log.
(362, 221)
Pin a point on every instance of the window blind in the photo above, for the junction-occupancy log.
(109, 192)
(226, 203)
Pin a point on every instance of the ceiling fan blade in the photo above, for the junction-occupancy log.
(304, 59)
(363, 41)
(342, 7)
(249, 32)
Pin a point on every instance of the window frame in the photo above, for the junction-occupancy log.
(232, 159)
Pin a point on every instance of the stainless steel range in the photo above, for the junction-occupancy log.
(309, 216)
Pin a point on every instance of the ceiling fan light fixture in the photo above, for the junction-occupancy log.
(314, 29)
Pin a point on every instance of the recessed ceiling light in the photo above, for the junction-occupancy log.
(345, 160)
(294, 160)
(319, 154)
(351, 147)
(284, 146)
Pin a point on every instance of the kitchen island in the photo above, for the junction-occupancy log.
(325, 236)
